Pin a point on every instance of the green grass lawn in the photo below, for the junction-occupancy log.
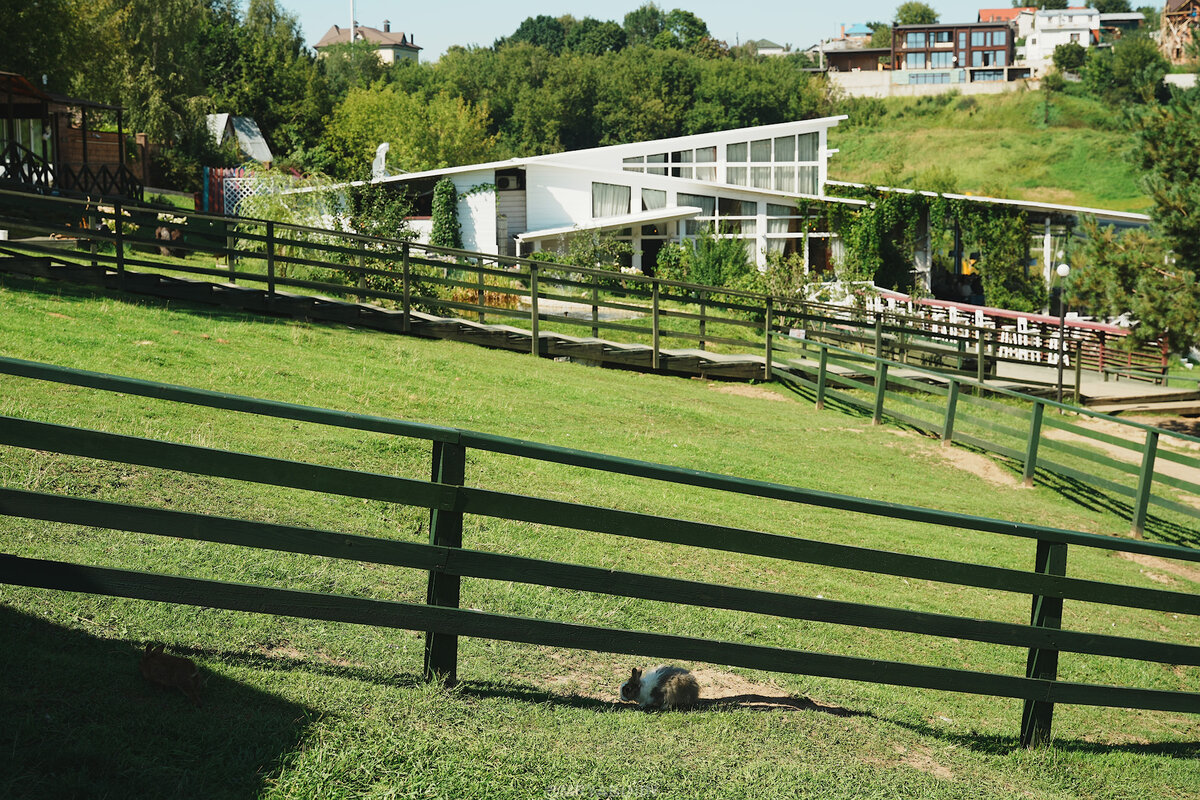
(303, 708)
(996, 145)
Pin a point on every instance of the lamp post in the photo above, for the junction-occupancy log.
(1063, 271)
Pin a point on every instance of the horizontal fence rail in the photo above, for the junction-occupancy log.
(576, 304)
(1061, 443)
(447, 560)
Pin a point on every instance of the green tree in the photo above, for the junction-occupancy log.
(1138, 67)
(40, 39)
(447, 232)
(541, 31)
(1069, 57)
(424, 133)
(881, 34)
(1044, 4)
(592, 37)
(643, 24)
(1170, 161)
(916, 13)
(1110, 6)
(1131, 274)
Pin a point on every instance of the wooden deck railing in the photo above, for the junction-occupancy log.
(447, 558)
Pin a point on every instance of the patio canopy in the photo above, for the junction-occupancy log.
(615, 223)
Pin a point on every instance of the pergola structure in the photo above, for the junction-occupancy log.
(42, 149)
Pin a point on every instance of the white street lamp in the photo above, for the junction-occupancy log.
(1063, 271)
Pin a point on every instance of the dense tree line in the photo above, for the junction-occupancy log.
(555, 83)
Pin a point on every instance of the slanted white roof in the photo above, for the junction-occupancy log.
(614, 223)
(250, 139)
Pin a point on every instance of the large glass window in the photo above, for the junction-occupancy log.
(707, 155)
(658, 158)
(785, 179)
(1000, 38)
(760, 177)
(941, 60)
(914, 41)
(809, 143)
(785, 148)
(634, 164)
(915, 61)
(735, 175)
(943, 37)
(978, 39)
(610, 200)
(692, 227)
(653, 198)
(760, 150)
(1001, 57)
(988, 75)
(735, 152)
(807, 183)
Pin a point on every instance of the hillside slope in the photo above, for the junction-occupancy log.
(995, 145)
(297, 708)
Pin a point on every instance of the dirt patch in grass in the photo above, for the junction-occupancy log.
(746, 390)
(981, 466)
(922, 759)
(1155, 567)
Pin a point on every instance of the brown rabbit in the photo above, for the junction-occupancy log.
(171, 672)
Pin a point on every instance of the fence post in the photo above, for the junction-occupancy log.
(1103, 371)
(879, 336)
(1078, 371)
(654, 324)
(595, 306)
(1035, 438)
(362, 275)
(480, 293)
(821, 370)
(767, 332)
(445, 530)
(980, 364)
(1043, 664)
(951, 408)
(533, 308)
(119, 233)
(406, 288)
(703, 316)
(1145, 481)
(881, 370)
(270, 260)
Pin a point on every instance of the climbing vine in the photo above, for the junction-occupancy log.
(880, 238)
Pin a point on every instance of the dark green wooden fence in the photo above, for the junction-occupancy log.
(538, 296)
(449, 497)
(935, 401)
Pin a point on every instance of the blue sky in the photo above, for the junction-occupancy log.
(438, 25)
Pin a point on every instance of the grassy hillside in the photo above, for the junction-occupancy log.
(297, 708)
(998, 145)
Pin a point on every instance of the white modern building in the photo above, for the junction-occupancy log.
(1052, 27)
(743, 183)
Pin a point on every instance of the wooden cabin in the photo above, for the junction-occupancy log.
(51, 143)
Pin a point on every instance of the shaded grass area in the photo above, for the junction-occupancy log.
(337, 710)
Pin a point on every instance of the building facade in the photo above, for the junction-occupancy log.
(744, 184)
(1054, 27)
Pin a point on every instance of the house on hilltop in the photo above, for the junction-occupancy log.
(1054, 27)
(391, 46)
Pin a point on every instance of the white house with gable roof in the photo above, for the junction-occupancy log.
(744, 183)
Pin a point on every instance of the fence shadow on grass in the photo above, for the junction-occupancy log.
(991, 744)
(80, 721)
